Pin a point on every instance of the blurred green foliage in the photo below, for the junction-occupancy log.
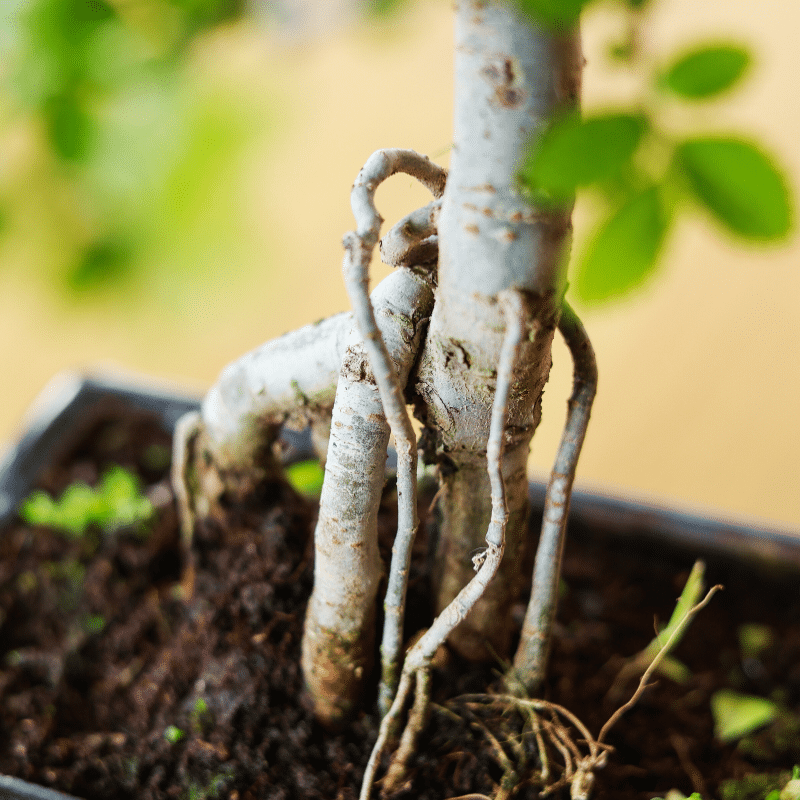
(736, 715)
(706, 71)
(645, 176)
(116, 502)
(115, 120)
(306, 477)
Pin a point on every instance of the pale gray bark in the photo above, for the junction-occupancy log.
(510, 77)
(415, 674)
(291, 379)
(530, 661)
(227, 447)
(339, 629)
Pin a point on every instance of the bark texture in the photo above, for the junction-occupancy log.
(510, 78)
(339, 630)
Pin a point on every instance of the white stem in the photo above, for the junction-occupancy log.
(359, 245)
(530, 661)
(291, 379)
(510, 77)
(419, 658)
(339, 628)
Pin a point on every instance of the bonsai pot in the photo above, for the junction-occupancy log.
(759, 565)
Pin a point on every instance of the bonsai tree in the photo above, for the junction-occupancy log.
(461, 331)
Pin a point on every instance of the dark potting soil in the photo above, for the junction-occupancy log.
(113, 685)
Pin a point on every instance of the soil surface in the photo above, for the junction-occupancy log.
(114, 684)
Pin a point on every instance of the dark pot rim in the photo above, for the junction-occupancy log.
(69, 398)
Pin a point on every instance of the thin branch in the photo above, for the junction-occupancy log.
(359, 246)
(530, 661)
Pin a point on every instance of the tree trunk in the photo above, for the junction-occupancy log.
(509, 79)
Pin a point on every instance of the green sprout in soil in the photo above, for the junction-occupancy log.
(672, 632)
(173, 734)
(216, 784)
(201, 716)
(754, 639)
(116, 502)
(763, 786)
(94, 624)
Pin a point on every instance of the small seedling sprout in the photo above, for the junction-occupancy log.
(116, 502)
(668, 666)
(173, 734)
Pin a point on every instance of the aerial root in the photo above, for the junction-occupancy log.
(359, 245)
(530, 661)
(187, 429)
(416, 670)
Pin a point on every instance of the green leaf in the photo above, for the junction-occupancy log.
(104, 263)
(556, 14)
(736, 715)
(754, 638)
(739, 185)
(69, 127)
(173, 734)
(706, 71)
(116, 502)
(306, 477)
(624, 251)
(574, 152)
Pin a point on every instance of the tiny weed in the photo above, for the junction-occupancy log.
(116, 502)
(210, 790)
(173, 734)
(94, 623)
(736, 715)
(201, 717)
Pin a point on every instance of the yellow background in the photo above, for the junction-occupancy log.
(700, 383)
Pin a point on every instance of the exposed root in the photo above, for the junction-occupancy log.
(416, 669)
(530, 661)
(186, 432)
(567, 753)
(359, 245)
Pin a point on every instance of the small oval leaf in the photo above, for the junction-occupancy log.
(707, 71)
(574, 152)
(624, 251)
(736, 715)
(739, 185)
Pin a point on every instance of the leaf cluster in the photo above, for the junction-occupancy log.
(98, 86)
(116, 502)
(645, 176)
